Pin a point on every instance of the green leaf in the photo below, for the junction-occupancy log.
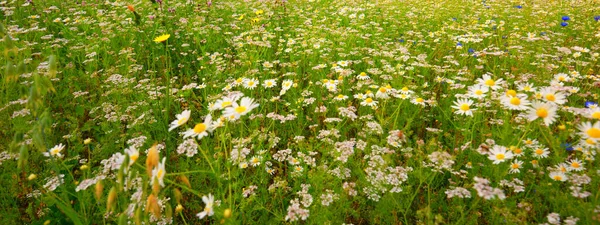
(67, 210)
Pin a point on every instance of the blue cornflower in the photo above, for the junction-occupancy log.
(459, 44)
(564, 24)
(542, 33)
(567, 146)
(519, 7)
(589, 104)
(566, 18)
(471, 50)
(597, 18)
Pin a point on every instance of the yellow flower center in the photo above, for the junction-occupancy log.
(181, 121)
(500, 156)
(240, 109)
(419, 100)
(369, 100)
(478, 92)
(464, 107)
(596, 115)
(512, 93)
(593, 132)
(561, 78)
(160, 173)
(515, 101)
(225, 104)
(557, 177)
(575, 165)
(590, 141)
(134, 157)
(527, 88)
(490, 82)
(550, 97)
(405, 89)
(55, 151)
(539, 151)
(542, 112)
(517, 151)
(382, 90)
(514, 166)
(199, 128)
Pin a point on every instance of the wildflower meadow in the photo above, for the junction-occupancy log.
(324, 112)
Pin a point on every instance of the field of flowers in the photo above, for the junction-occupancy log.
(299, 112)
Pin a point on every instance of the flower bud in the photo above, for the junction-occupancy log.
(99, 189)
(227, 213)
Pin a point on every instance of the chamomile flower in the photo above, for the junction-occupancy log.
(589, 142)
(201, 129)
(499, 154)
(515, 166)
(225, 102)
(530, 142)
(250, 83)
(285, 85)
(463, 107)
(406, 91)
(158, 173)
(363, 76)
(239, 81)
(55, 151)
(209, 202)
(526, 87)
(477, 91)
(517, 151)
(383, 92)
(562, 77)
(340, 97)
(269, 83)
(545, 111)
(594, 113)
(133, 154)
(236, 110)
(255, 161)
(418, 101)
(589, 130)
(550, 95)
(517, 102)
(540, 152)
(558, 176)
(181, 119)
(489, 82)
(562, 167)
(369, 102)
(575, 165)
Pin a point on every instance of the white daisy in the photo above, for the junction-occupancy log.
(201, 129)
(463, 107)
(181, 119)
